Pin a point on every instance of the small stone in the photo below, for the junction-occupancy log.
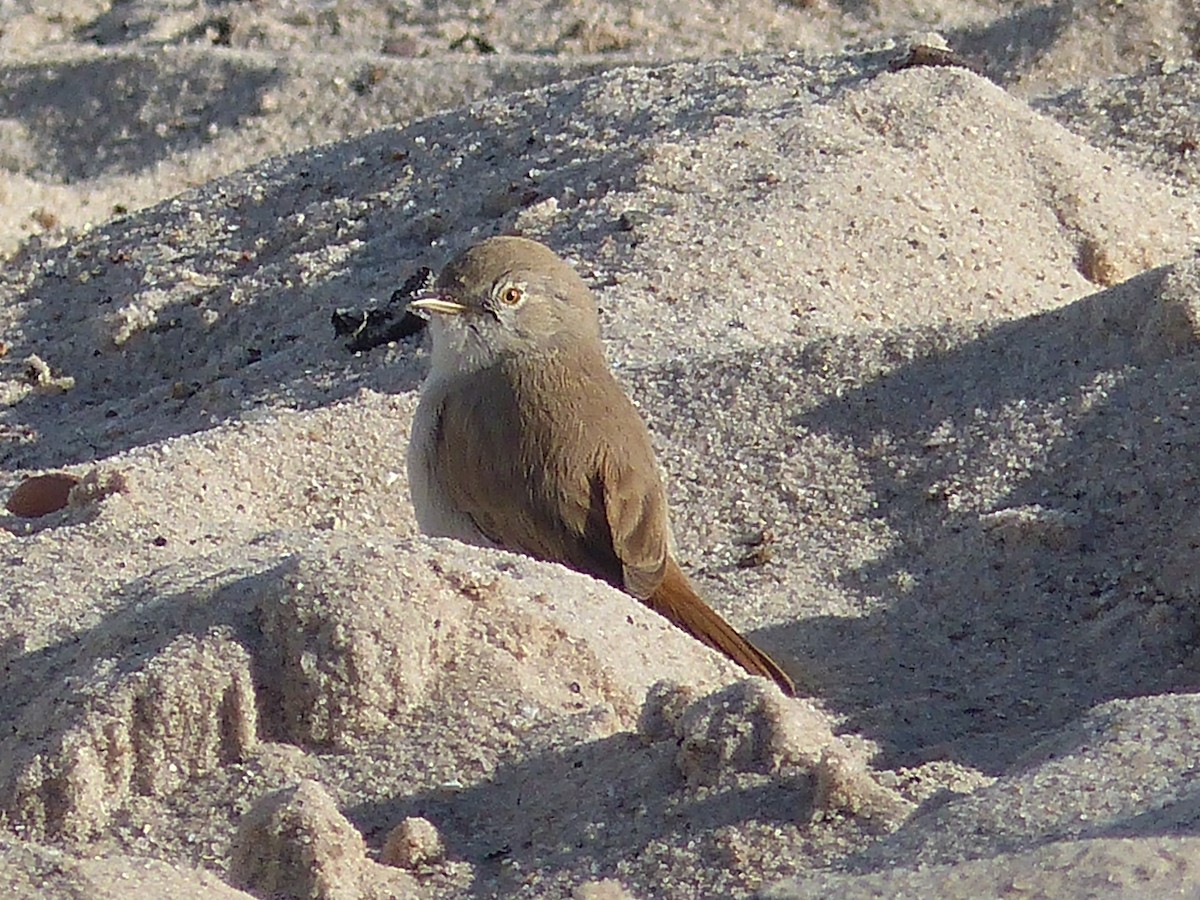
(413, 843)
(41, 495)
(294, 842)
(1097, 265)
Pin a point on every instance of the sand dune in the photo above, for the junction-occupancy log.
(918, 351)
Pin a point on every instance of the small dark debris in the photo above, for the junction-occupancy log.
(757, 557)
(367, 79)
(761, 552)
(376, 326)
(217, 30)
(421, 280)
(220, 31)
(159, 541)
(758, 538)
(477, 41)
(924, 55)
(47, 219)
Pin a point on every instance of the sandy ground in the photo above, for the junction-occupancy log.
(918, 348)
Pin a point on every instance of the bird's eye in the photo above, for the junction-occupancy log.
(511, 295)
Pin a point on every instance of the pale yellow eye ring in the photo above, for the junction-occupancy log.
(511, 295)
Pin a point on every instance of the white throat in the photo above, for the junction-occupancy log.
(457, 350)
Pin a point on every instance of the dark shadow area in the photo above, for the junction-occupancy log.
(1027, 624)
(527, 817)
(121, 23)
(121, 114)
(1007, 47)
(1122, 770)
(1180, 817)
(989, 623)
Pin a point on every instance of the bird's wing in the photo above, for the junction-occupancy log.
(545, 483)
(634, 512)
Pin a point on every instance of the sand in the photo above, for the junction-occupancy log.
(918, 347)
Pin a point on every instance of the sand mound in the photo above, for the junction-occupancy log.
(919, 359)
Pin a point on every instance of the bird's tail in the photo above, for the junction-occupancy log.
(675, 599)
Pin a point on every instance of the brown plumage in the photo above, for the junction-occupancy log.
(524, 440)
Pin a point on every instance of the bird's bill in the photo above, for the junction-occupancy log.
(436, 302)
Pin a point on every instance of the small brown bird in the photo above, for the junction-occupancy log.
(524, 440)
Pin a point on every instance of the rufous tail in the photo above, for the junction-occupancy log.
(677, 600)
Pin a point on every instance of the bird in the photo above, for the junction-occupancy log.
(524, 440)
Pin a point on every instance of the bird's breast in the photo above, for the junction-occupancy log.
(436, 512)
